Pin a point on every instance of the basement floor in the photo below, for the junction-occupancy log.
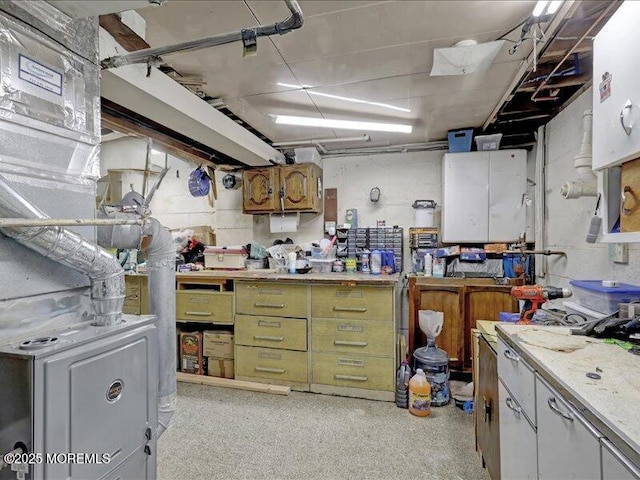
(221, 433)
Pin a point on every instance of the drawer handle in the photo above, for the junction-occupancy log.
(265, 323)
(512, 406)
(354, 378)
(511, 356)
(350, 309)
(269, 305)
(554, 407)
(270, 370)
(199, 314)
(267, 337)
(350, 344)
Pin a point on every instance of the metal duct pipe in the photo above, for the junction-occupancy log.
(248, 36)
(71, 250)
(161, 268)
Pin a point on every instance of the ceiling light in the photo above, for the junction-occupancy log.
(346, 124)
(554, 6)
(346, 99)
(539, 8)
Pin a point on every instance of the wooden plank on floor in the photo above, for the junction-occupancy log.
(231, 383)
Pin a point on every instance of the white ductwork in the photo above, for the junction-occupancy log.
(586, 187)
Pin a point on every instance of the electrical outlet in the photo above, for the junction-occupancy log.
(619, 252)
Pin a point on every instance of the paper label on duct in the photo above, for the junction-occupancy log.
(39, 75)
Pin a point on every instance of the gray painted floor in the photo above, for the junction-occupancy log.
(232, 434)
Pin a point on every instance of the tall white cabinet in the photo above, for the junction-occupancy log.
(484, 196)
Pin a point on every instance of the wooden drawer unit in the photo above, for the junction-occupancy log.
(271, 299)
(364, 303)
(356, 371)
(202, 306)
(271, 332)
(271, 363)
(136, 295)
(352, 336)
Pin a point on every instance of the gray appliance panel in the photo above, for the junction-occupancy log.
(77, 416)
(139, 466)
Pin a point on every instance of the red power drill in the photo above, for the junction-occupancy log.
(534, 296)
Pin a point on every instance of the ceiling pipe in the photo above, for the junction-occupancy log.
(248, 36)
(313, 141)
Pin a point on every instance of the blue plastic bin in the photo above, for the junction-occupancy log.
(460, 140)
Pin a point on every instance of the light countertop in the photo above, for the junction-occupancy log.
(311, 277)
(610, 403)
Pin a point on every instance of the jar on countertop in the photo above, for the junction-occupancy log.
(338, 266)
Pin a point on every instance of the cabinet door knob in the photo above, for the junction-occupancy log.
(512, 406)
(511, 356)
(627, 106)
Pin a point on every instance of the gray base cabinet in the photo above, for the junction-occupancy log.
(615, 466)
(568, 446)
(518, 457)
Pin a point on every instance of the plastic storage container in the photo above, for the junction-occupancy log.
(376, 262)
(488, 142)
(224, 258)
(321, 265)
(591, 294)
(435, 364)
(460, 140)
(424, 213)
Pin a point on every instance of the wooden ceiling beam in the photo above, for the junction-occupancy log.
(122, 34)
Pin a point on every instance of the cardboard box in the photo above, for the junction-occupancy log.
(204, 234)
(218, 344)
(220, 367)
(448, 251)
(191, 359)
(495, 247)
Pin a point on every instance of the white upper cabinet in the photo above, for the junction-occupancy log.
(616, 88)
(484, 196)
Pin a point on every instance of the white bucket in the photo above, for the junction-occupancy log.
(424, 213)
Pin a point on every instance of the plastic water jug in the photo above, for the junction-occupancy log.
(376, 262)
(402, 385)
(419, 395)
(435, 364)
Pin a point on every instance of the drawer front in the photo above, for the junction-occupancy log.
(365, 303)
(348, 370)
(131, 305)
(352, 336)
(274, 300)
(271, 363)
(562, 428)
(518, 450)
(519, 378)
(272, 332)
(206, 307)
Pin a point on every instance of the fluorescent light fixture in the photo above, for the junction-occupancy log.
(554, 6)
(346, 124)
(346, 99)
(539, 8)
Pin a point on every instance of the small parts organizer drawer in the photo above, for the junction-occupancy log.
(210, 307)
(272, 332)
(352, 336)
(271, 363)
(356, 371)
(367, 303)
(275, 300)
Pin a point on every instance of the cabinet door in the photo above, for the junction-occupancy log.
(507, 185)
(301, 185)
(465, 208)
(487, 410)
(562, 429)
(485, 303)
(450, 301)
(518, 451)
(616, 53)
(259, 192)
(615, 466)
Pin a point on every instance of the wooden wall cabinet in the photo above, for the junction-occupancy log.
(463, 302)
(283, 188)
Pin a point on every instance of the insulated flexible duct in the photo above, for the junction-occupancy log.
(71, 250)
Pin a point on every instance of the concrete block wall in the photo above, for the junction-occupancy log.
(567, 221)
